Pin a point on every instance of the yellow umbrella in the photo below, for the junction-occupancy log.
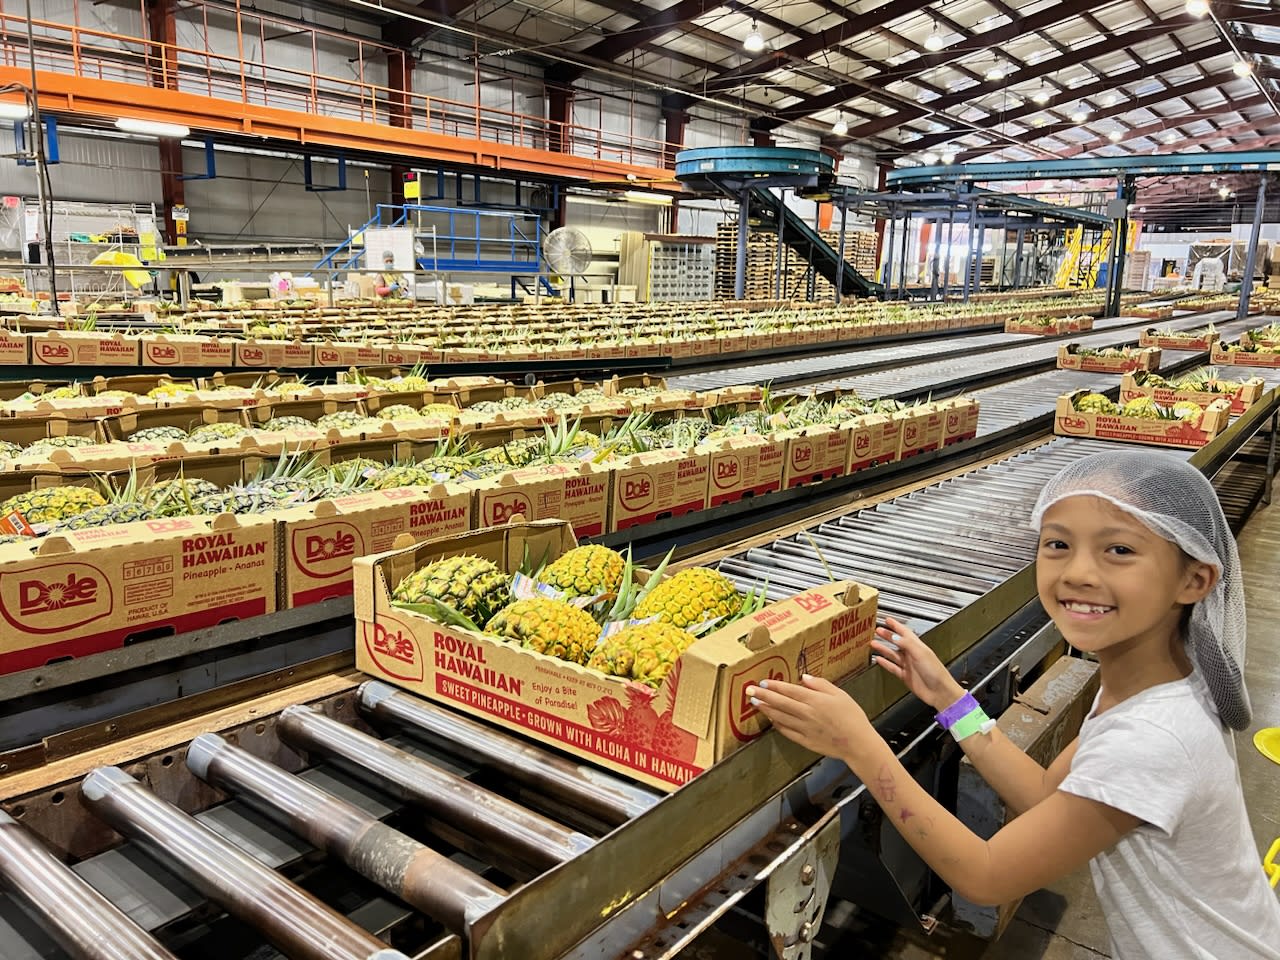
(118, 258)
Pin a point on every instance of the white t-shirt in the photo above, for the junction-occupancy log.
(1188, 883)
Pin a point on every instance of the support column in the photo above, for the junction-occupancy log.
(676, 122)
(761, 138)
(740, 265)
(162, 69)
(881, 184)
(400, 67)
(778, 253)
(884, 256)
(1119, 248)
(1251, 261)
(559, 100)
(844, 226)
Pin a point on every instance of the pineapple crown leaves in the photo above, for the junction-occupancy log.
(821, 559)
(629, 596)
(441, 612)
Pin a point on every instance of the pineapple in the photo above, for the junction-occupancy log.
(1142, 407)
(1188, 410)
(1095, 403)
(553, 627)
(691, 598)
(586, 571)
(62, 393)
(291, 477)
(158, 435)
(470, 586)
(344, 420)
(240, 499)
(166, 390)
(53, 504)
(362, 468)
(644, 652)
(123, 506)
(9, 450)
(439, 411)
(213, 432)
(402, 475)
(48, 444)
(286, 424)
(399, 411)
(289, 388)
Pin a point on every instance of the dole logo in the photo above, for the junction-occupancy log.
(812, 602)
(953, 421)
(324, 551)
(162, 352)
(326, 356)
(61, 596)
(393, 650)
(862, 441)
(911, 432)
(168, 526)
(1073, 424)
(637, 491)
(504, 508)
(253, 354)
(744, 718)
(53, 352)
(801, 454)
(726, 472)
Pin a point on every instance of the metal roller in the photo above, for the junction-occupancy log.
(415, 873)
(592, 791)
(457, 803)
(298, 924)
(84, 923)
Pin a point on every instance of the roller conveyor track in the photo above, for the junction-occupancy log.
(826, 365)
(944, 377)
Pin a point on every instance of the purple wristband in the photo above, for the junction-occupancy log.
(961, 708)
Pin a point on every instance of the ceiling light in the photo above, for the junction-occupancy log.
(1197, 8)
(1080, 116)
(1171, 137)
(840, 127)
(1115, 136)
(754, 41)
(14, 111)
(653, 199)
(929, 159)
(995, 73)
(1041, 96)
(152, 128)
(1040, 121)
(949, 157)
(934, 42)
(1223, 192)
(1110, 100)
(1242, 68)
(1213, 184)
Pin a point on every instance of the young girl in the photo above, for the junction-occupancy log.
(1137, 567)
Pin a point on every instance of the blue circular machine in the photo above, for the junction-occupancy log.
(745, 174)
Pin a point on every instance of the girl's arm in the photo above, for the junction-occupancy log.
(1019, 780)
(1053, 838)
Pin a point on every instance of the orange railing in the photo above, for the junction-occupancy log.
(69, 48)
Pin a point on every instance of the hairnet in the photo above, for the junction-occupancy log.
(1175, 500)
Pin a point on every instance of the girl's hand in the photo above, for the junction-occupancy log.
(915, 664)
(817, 715)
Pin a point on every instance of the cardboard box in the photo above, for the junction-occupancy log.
(960, 419)
(1151, 337)
(874, 439)
(66, 348)
(1054, 328)
(1069, 422)
(319, 541)
(274, 353)
(124, 425)
(922, 430)
(815, 453)
(702, 714)
(1144, 358)
(79, 408)
(1079, 324)
(85, 591)
(741, 467)
(174, 350)
(1220, 356)
(1242, 398)
(578, 495)
(338, 354)
(15, 349)
(655, 485)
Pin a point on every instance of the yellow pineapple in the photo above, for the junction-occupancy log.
(690, 598)
(548, 626)
(470, 586)
(586, 571)
(645, 652)
(53, 504)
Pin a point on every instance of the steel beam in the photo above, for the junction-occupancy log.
(1251, 261)
(294, 921)
(485, 816)
(84, 923)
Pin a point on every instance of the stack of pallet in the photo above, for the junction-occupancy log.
(1137, 270)
(859, 249)
(762, 269)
